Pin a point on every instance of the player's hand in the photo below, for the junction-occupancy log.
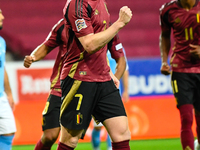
(195, 51)
(165, 68)
(116, 81)
(125, 15)
(125, 96)
(28, 60)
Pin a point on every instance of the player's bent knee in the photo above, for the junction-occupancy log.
(124, 131)
(73, 142)
(127, 135)
(122, 135)
(49, 137)
(70, 137)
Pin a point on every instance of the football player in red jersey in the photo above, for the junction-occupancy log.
(182, 16)
(51, 113)
(87, 88)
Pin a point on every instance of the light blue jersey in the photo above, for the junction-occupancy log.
(112, 62)
(2, 62)
(113, 65)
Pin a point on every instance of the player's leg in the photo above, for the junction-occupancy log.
(7, 124)
(109, 143)
(50, 124)
(96, 139)
(48, 138)
(197, 117)
(119, 134)
(6, 141)
(197, 141)
(183, 85)
(69, 138)
(110, 110)
(186, 116)
(76, 109)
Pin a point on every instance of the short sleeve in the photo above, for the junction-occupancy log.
(164, 23)
(115, 47)
(78, 18)
(54, 37)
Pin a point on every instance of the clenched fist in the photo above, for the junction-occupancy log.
(28, 60)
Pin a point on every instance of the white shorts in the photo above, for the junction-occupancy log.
(97, 125)
(7, 120)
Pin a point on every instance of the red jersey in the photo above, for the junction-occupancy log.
(82, 18)
(186, 27)
(57, 37)
(115, 47)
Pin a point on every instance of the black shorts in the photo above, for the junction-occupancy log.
(186, 88)
(81, 100)
(51, 113)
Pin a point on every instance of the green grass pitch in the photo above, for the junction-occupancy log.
(158, 144)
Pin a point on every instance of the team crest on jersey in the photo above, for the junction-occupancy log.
(79, 118)
(80, 24)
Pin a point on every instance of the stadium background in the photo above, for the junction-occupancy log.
(151, 109)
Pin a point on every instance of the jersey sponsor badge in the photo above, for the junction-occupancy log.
(80, 24)
(118, 46)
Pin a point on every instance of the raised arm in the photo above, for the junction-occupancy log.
(94, 42)
(39, 53)
(52, 41)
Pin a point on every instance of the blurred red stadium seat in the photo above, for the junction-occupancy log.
(29, 22)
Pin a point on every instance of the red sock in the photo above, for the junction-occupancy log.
(187, 137)
(124, 145)
(62, 146)
(40, 146)
(197, 117)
